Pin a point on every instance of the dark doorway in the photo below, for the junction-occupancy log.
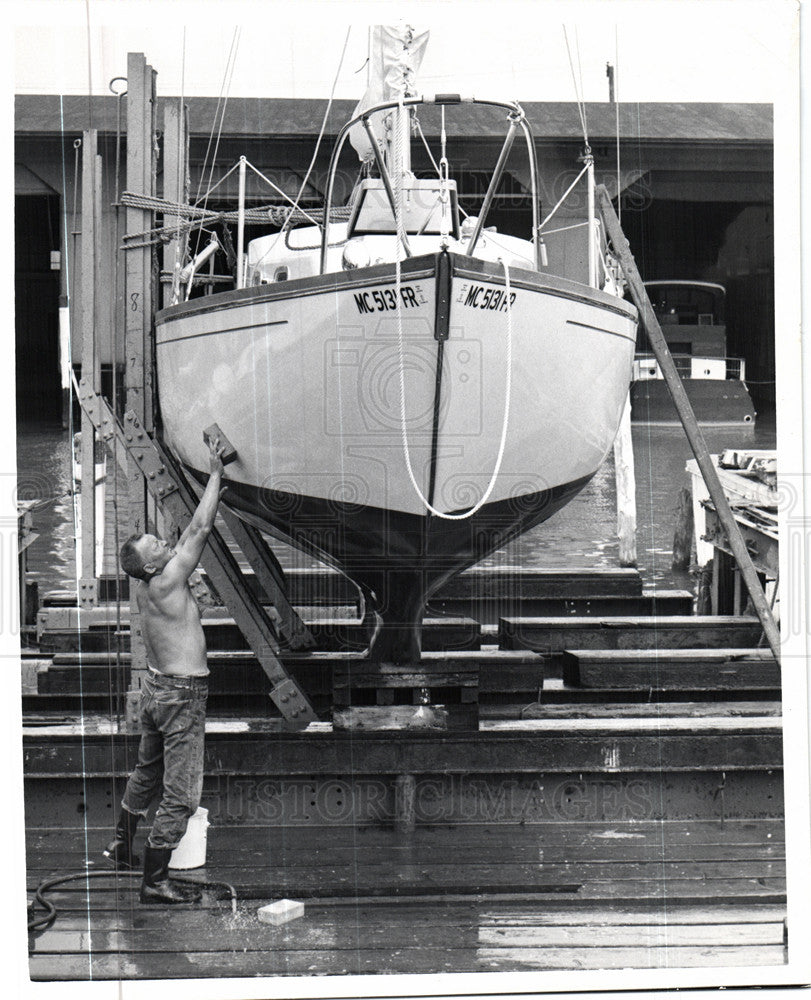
(36, 234)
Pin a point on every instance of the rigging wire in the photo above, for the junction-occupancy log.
(219, 120)
(181, 239)
(617, 120)
(581, 108)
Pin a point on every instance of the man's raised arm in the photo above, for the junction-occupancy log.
(193, 540)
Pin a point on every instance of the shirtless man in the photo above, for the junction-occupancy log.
(173, 696)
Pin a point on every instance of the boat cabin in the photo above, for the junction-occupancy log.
(691, 314)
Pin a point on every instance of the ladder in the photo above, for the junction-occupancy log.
(174, 494)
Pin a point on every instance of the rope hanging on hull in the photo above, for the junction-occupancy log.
(401, 242)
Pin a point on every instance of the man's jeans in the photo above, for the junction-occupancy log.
(173, 713)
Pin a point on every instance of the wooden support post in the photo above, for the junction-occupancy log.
(626, 488)
(175, 189)
(684, 409)
(683, 532)
(91, 182)
(405, 801)
(737, 596)
(138, 305)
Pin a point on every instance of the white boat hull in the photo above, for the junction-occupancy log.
(304, 378)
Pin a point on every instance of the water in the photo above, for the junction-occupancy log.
(583, 534)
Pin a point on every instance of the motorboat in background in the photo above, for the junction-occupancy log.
(405, 390)
(691, 315)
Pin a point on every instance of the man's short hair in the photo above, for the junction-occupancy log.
(131, 560)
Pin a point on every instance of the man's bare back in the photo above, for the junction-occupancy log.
(173, 634)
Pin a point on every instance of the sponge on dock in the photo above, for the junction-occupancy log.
(280, 912)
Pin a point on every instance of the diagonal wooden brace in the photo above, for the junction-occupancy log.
(167, 483)
(678, 394)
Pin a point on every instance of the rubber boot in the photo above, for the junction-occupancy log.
(156, 887)
(119, 852)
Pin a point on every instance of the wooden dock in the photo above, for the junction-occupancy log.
(605, 790)
(558, 897)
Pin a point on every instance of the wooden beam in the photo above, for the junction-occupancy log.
(626, 488)
(175, 189)
(138, 305)
(270, 577)
(91, 183)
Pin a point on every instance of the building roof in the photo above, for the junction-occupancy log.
(51, 114)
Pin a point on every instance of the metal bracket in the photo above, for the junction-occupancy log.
(88, 592)
(95, 408)
(292, 704)
(140, 446)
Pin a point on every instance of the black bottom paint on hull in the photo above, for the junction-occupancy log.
(397, 560)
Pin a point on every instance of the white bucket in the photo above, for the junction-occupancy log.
(191, 851)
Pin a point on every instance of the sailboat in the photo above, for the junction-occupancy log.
(406, 389)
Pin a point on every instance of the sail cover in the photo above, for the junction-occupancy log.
(395, 55)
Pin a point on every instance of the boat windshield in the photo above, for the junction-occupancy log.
(687, 303)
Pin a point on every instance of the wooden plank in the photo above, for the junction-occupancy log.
(641, 725)
(664, 603)
(652, 602)
(518, 581)
(663, 834)
(636, 936)
(222, 935)
(555, 692)
(339, 917)
(588, 861)
(616, 710)
(676, 632)
(730, 839)
(402, 718)
(222, 633)
(656, 898)
(323, 877)
(167, 965)
(509, 959)
(623, 916)
(695, 669)
(516, 746)
(241, 855)
(671, 891)
(320, 585)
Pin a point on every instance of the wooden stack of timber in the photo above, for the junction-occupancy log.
(82, 662)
